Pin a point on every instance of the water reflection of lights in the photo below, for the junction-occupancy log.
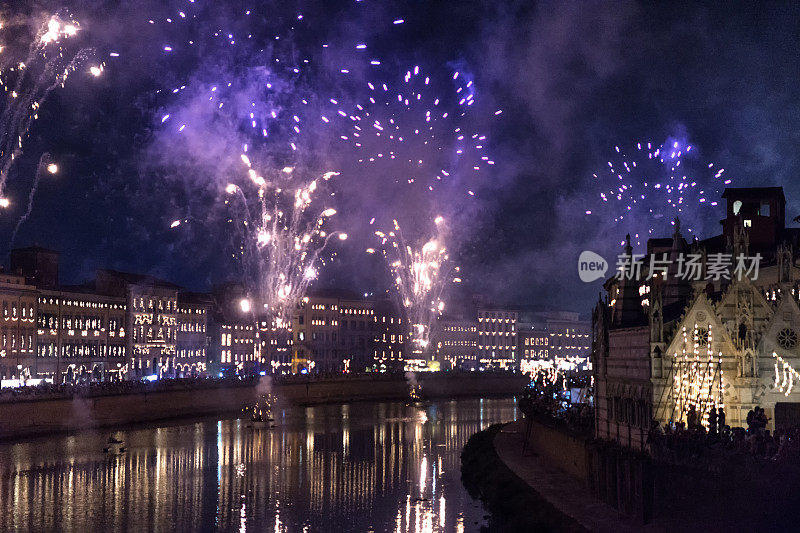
(423, 473)
(384, 466)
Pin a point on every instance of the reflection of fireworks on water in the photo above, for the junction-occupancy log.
(28, 83)
(649, 184)
(281, 240)
(422, 272)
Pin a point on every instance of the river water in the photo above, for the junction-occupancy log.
(349, 467)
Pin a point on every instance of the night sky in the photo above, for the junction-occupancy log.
(572, 82)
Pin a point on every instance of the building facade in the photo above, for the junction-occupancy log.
(664, 345)
(316, 343)
(570, 337)
(336, 331)
(534, 341)
(151, 320)
(534, 347)
(120, 326)
(233, 331)
(358, 331)
(17, 328)
(456, 343)
(81, 336)
(497, 338)
(192, 343)
(388, 343)
(554, 342)
(274, 337)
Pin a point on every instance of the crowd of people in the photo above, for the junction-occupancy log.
(688, 441)
(699, 436)
(549, 402)
(46, 391)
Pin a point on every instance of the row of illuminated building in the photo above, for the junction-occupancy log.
(331, 331)
(132, 326)
(493, 338)
(118, 326)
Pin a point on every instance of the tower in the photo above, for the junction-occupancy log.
(38, 265)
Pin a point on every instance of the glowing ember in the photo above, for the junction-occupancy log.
(282, 240)
(421, 271)
(48, 64)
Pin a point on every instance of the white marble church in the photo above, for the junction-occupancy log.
(672, 338)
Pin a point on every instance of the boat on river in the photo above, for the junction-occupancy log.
(261, 413)
(115, 446)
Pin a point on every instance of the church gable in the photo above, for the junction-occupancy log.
(700, 319)
(782, 334)
(745, 313)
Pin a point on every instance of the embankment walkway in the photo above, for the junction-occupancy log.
(562, 491)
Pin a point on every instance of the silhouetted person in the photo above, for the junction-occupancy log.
(720, 418)
(712, 421)
(751, 419)
(770, 446)
(691, 418)
(761, 418)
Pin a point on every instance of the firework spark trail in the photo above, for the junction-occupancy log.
(415, 124)
(417, 130)
(45, 165)
(649, 184)
(283, 240)
(31, 88)
(402, 138)
(422, 272)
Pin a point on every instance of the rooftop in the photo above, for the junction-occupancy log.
(140, 279)
(36, 248)
(752, 192)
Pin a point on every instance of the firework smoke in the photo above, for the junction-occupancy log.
(45, 166)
